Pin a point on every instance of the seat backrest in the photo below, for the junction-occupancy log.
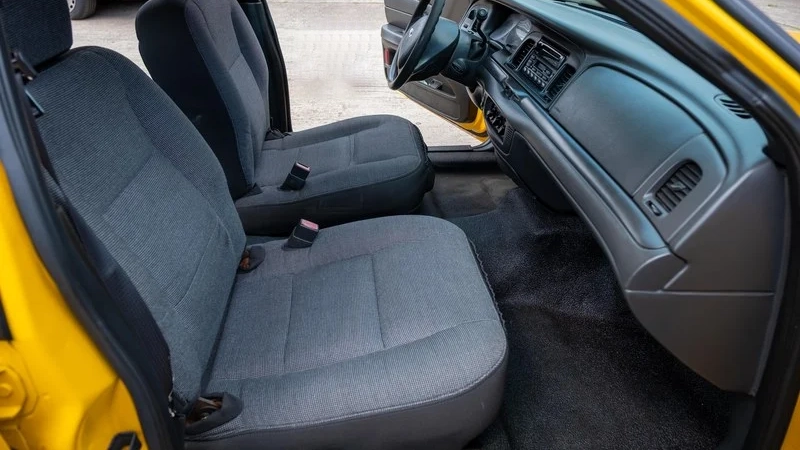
(205, 55)
(140, 177)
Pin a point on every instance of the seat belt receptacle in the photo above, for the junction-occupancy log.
(303, 234)
(296, 178)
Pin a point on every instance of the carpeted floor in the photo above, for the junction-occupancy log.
(465, 193)
(582, 373)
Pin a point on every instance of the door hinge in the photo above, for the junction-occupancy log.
(127, 440)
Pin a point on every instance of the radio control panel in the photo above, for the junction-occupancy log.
(542, 64)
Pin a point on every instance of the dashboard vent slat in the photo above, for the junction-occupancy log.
(679, 185)
(561, 81)
(522, 52)
(732, 106)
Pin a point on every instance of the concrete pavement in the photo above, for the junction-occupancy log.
(333, 57)
(785, 13)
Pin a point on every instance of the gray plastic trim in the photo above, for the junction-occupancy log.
(736, 245)
(718, 334)
(701, 150)
(689, 278)
(628, 127)
(633, 244)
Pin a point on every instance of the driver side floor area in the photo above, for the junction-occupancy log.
(582, 373)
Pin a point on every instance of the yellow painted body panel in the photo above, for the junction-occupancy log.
(477, 126)
(746, 47)
(56, 389)
(792, 439)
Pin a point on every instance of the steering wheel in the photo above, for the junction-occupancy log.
(415, 40)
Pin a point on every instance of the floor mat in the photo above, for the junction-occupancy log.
(582, 373)
(465, 193)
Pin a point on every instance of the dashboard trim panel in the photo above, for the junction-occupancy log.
(665, 263)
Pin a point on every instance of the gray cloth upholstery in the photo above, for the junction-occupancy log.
(383, 334)
(361, 167)
(377, 317)
(23, 24)
(206, 56)
(131, 167)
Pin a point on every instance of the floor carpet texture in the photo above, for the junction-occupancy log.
(582, 372)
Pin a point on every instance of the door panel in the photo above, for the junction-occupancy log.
(398, 12)
(439, 94)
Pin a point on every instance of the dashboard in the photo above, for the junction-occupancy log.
(669, 172)
(544, 65)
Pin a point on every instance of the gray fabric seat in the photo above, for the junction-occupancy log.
(377, 319)
(206, 57)
(357, 173)
(381, 335)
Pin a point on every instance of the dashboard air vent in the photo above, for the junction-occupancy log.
(732, 106)
(494, 118)
(563, 78)
(679, 185)
(522, 52)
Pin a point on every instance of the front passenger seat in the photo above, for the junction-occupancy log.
(205, 55)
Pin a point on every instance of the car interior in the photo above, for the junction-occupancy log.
(601, 272)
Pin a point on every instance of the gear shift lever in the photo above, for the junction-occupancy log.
(483, 13)
(478, 48)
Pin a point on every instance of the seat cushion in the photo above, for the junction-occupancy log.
(383, 334)
(360, 168)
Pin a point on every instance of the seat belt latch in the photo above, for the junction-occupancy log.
(303, 234)
(296, 178)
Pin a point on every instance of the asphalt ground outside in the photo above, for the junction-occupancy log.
(333, 57)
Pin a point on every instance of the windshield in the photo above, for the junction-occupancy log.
(590, 4)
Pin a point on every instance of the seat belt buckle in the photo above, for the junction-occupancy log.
(303, 234)
(296, 178)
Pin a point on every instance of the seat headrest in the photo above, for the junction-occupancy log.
(39, 29)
